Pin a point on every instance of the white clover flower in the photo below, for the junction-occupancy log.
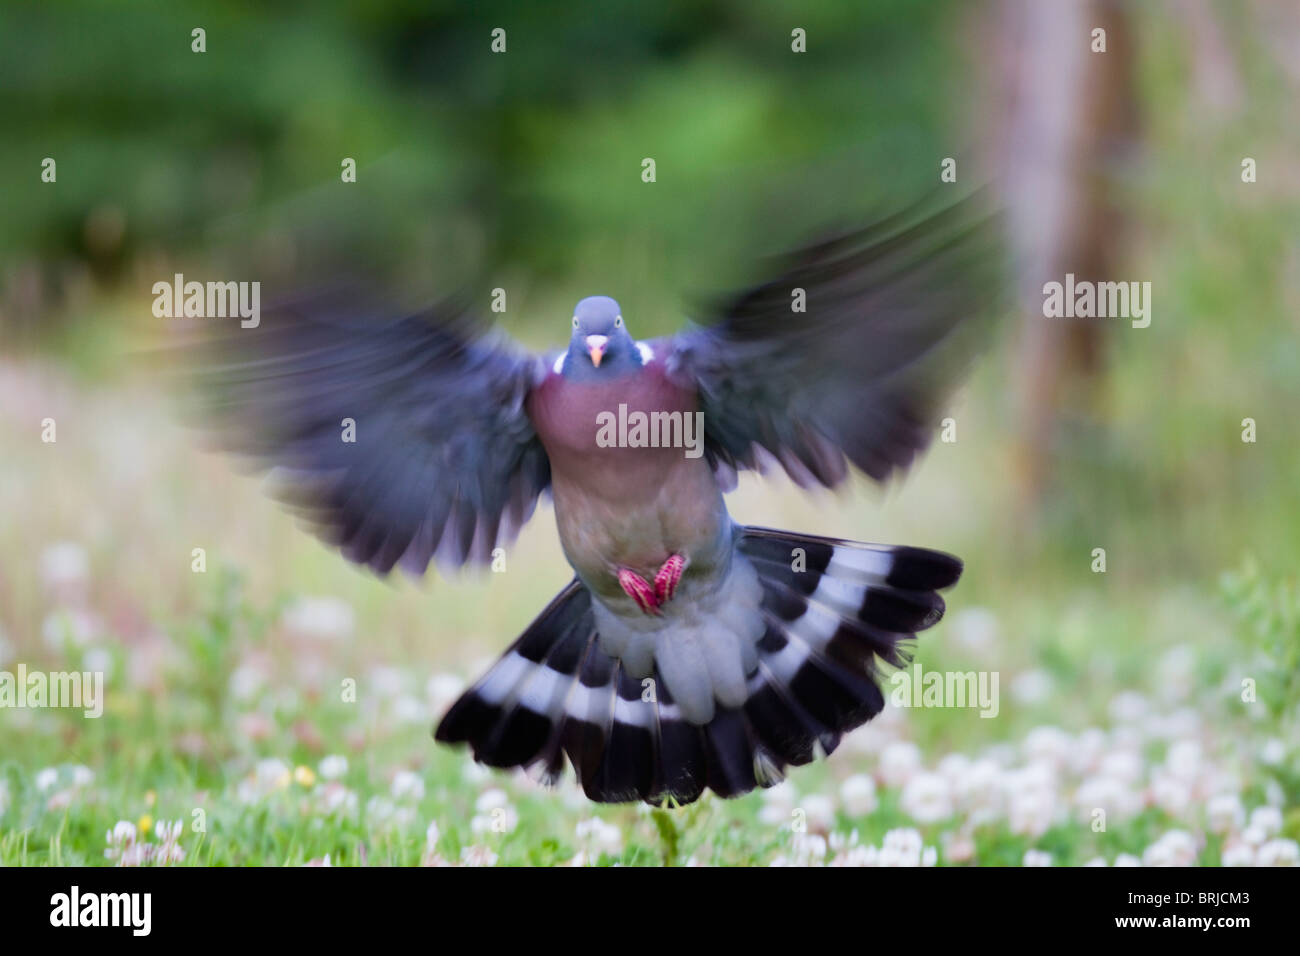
(1037, 858)
(979, 791)
(902, 846)
(929, 856)
(1040, 777)
(1127, 859)
(839, 842)
(46, 778)
(773, 815)
(1267, 819)
(431, 836)
(441, 690)
(1254, 836)
(491, 799)
(122, 845)
(601, 836)
(246, 681)
(1183, 760)
(954, 767)
(1279, 852)
(1122, 765)
(1032, 687)
(1119, 800)
(333, 767)
(98, 660)
(1129, 707)
(64, 566)
(898, 762)
(958, 847)
(1049, 745)
(320, 618)
(334, 799)
(1176, 673)
(873, 737)
(927, 798)
(477, 856)
(1031, 812)
(380, 809)
(1174, 848)
(407, 787)
(1273, 752)
(858, 795)
(857, 856)
(1096, 861)
(1089, 747)
(1182, 723)
(387, 682)
(138, 854)
(975, 629)
(71, 626)
(272, 773)
(778, 804)
(904, 839)
(1238, 854)
(808, 849)
(82, 776)
(409, 709)
(819, 812)
(498, 819)
(1224, 813)
(1171, 794)
(169, 848)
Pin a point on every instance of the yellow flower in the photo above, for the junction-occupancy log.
(304, 776)
(144, 824)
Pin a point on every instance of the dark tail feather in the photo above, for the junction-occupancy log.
(835, 611)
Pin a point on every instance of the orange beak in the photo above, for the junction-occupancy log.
(596, 348)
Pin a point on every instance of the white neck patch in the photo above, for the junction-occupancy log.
(647, 353)
(558, 367)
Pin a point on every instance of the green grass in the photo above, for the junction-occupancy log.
(1140, 669)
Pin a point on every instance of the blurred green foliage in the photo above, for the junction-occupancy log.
(526, 164)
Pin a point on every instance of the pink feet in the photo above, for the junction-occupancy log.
(639, 590)
(650, 599)
(667, 578)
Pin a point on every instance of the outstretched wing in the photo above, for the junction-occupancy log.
(400, 440)
(861, 374)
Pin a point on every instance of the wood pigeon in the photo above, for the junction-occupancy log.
(689, 651)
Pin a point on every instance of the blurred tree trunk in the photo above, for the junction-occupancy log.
(1066, 117)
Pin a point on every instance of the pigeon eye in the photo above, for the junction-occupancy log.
(618, 321)
(575, 321)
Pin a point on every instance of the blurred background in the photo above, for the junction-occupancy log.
(522, 170)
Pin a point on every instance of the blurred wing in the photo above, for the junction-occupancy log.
(445, 464)
(862, 373)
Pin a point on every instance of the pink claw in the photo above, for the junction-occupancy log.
(667, 578)
(639, 590)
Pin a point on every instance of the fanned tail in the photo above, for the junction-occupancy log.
(835, 611)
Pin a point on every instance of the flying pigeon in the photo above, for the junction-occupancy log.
(689, 652)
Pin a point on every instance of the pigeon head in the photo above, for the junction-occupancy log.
(600, 346)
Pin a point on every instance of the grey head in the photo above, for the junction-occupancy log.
(601, 346)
